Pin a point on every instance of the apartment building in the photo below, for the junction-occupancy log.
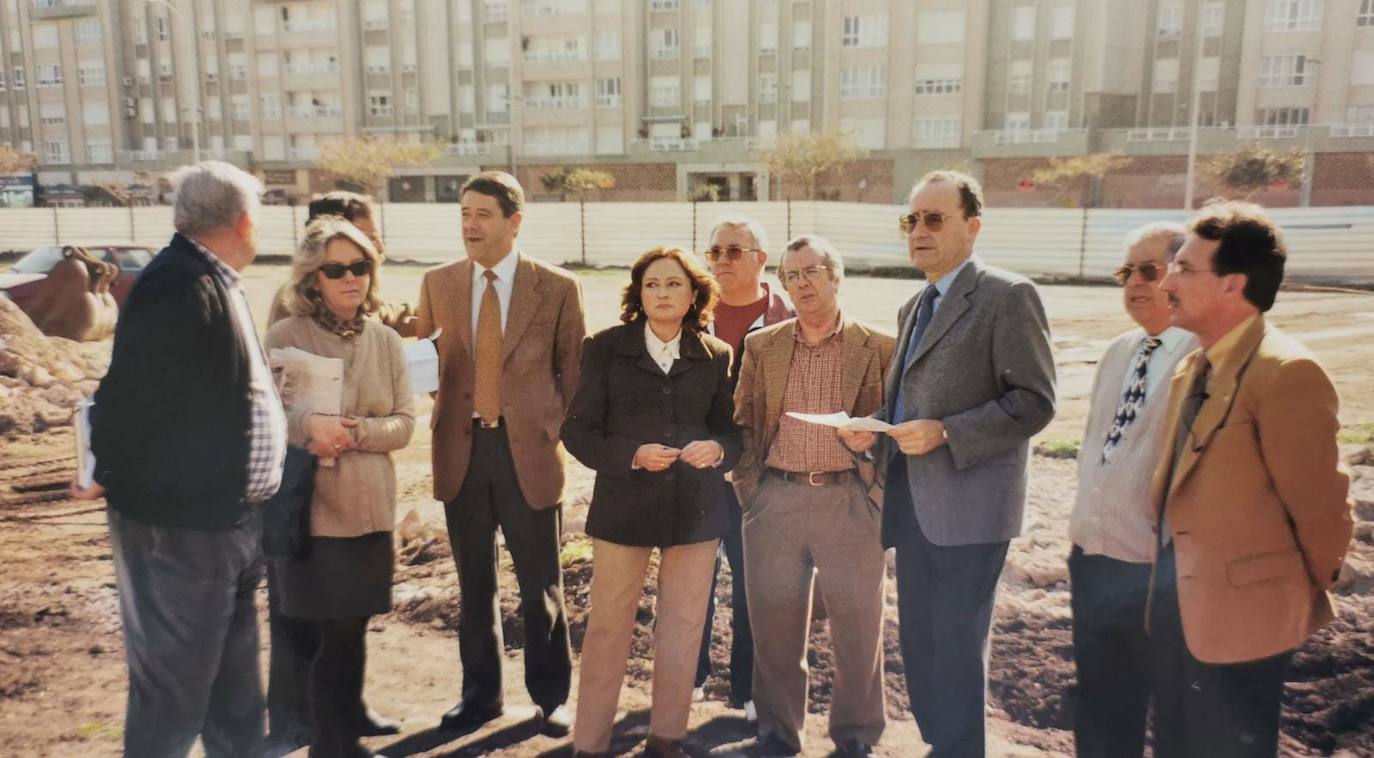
(671, 96)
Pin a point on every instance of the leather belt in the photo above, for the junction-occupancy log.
(813, 478)
(482, 423)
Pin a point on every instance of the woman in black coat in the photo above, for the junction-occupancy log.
(653, 416)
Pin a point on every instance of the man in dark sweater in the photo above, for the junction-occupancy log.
(738, 256)
(189, 436)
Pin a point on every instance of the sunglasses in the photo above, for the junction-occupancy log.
(1148, 271)
(337, 270)
(733, 252)
(932, 219)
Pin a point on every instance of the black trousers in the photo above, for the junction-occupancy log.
(945, 596)
(1111, 653)
(336, 686)
(491, 499)
(741, 634)
(1206, 710)
(295, 641)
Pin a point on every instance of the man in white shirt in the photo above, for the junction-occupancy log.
(1113, 520)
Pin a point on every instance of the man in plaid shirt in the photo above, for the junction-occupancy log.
(189, 437)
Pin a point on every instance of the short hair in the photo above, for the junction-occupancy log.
(212, 195)
(310, 256)
(746, 223)
(1250, 244)
(500, 185)
(351, 206)
(820, 244)
(970, 191)
(705, 289)
(1172, 232)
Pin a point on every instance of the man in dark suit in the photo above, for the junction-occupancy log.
(189, 436)
(1251, 500)
(972, 381)
(509, 359)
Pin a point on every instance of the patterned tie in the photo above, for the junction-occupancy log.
(1132, 399)
(487, 394)
(925, 310)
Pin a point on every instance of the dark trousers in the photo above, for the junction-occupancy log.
(186, 600)
(944, 605)
(336, 686)
(1205, 710)
(491, 498)
(741, 634)
(1111, 652)
(295, 642)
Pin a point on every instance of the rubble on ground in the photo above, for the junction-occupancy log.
(43, 378)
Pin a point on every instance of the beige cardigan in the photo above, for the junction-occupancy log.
(357, 495)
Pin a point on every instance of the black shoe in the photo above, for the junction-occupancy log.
(854, 748)
(467, 717)
(557, 721)
(772, 746)
(662, 747)
(374, 724)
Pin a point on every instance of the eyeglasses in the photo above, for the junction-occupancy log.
(733, 252)
(337, 270)
(1148, 271)
(932, 219)
(1183, 269)
(812, 274)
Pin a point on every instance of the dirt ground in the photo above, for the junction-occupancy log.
(62, 677)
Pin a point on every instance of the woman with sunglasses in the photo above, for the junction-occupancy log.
(346, 576)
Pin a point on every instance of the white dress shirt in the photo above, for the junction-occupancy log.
(505, 278)
(663, 353)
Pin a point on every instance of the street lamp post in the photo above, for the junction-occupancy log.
(1194, 117)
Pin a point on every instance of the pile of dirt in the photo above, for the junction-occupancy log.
(42, 378)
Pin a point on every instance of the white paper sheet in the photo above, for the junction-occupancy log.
(422, 363)
(85, 459)
(842, 420)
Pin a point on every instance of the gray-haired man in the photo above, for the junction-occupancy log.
(189, 436)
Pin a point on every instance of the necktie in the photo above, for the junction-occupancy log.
(1132, 399)
(1192, 403)
(487, 393)
(925, 309)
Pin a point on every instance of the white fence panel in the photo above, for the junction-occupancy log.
(1032, 240)
(617, 233)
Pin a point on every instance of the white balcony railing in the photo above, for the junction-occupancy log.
(672, 144)
(556, 103)
(302, 153)
(316, 111)
(143, 155)
(459, 149)
(1159, 134)
(307, 69)
(1026, 136)
(309, 25)
(554, 56)
(608, 101)
(665, 53)
(1352, 130)
(1275, 131)
(704, 51)
(376, 24)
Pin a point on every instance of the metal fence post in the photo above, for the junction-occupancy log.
(789, 218)
(694, 226)
(1083, 244)
(295, 243)
(582, 226)
(133, 237)
(56, 228)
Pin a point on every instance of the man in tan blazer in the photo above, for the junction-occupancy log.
(811, 513)
(1254, 509)
(509, 358)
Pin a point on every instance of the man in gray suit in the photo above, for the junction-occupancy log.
(973, 379)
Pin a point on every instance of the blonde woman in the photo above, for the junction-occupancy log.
(346, 577)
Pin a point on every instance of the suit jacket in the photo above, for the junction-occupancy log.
(985, 368)
(625, 400)
(172, 414)
(763, 381)
(1258, 504)
(542, 348)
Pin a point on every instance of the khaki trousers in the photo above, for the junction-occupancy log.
(795, 537)
(684, 581)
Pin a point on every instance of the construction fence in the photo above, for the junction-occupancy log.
(1328, 244)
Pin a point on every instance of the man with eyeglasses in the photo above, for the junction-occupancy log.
(1252, 501)
(737, 256)
(1112, 526)
(973, 381)
(811, 513)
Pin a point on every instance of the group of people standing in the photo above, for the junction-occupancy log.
(1212, 515)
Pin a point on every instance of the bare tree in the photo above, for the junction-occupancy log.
(567, 180)
(16, 161)
(802, 158)
(1253, 167)
(1065, 173)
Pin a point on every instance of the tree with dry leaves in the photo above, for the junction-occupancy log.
(568, 180)
(16, 161)
(800, 159)
(1068, 173)
(1253, 167)
(367, 162)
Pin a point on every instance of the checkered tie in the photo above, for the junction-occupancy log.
(1132, 399)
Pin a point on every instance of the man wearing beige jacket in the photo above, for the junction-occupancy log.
(509, 360)
(1253, 505)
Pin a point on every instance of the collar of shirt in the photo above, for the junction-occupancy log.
(839, 327)
(1170, 339)
(662, 351)
(505, 270)
(223, 270)
(1222, 349)
(947, 281)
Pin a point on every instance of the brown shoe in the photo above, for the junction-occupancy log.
(662, 747)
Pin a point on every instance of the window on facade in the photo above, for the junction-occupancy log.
(665, 92)
(608, 94)
(939, 78)
(1023, 22)
(1293, 15)
(270, 106)
(1282, 116)
(87, 32)
(801, 85)
(861, 82)
(1208, 74)
(162, 27)
(99, 152)
(608, 46)
(665, 43)
(1055, 120)
(1169, 20)
(934, 132)
(1283, 71)
(90, 73)
(47, 74)
(1214, 18)
(1165, 78)
(801, 33)
(939, 27)
(1058, 75)
(1016, 121)
(498, 98)
(1019, 82)
(1365, 15)
(44, 36)
(849, 36)
(768, 88)
(379, 105)
(54, 151)
(1061, 22)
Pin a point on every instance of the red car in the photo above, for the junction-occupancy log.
(26, 276)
